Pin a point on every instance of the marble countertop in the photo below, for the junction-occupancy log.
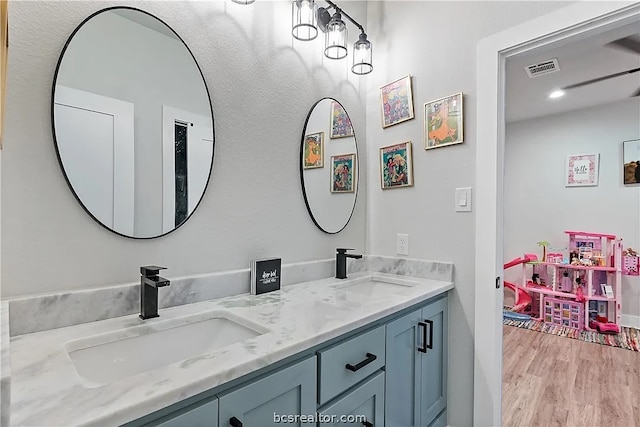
(46, 390)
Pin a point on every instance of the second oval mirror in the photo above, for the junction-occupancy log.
(132, 123)
(329, 166)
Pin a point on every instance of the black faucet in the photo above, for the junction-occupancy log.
(341, 262)
(149, 284)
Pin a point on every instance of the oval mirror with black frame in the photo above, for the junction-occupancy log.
(132, 123)
(329, 165)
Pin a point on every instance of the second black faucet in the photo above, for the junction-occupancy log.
(341, 262)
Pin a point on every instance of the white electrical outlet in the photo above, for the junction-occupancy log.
(402, 244)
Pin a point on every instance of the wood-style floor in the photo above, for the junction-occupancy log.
(556, 381)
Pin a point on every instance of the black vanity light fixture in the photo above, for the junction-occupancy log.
(307, 18)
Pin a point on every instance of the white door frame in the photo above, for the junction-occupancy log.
(578, 20)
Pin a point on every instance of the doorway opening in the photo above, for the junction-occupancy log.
(567, 25)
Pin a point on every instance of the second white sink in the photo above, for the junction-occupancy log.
(377, 285)
(105, 358)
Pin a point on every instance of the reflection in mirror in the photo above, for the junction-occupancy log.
(329, 166)
(132, 123)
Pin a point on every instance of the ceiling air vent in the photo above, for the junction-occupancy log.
(545, 67)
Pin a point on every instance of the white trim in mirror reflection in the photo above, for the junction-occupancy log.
(95, 137)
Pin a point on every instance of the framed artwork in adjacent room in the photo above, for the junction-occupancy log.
(631, 161)
(582, 170)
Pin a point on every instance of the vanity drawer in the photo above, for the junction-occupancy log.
(350, 362)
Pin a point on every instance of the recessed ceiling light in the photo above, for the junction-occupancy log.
(556, 94)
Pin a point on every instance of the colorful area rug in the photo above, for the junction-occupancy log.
(628, 338)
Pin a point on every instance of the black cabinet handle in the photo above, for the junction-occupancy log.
(430, 345)
(235, 422)
(424, 337)
(370, 358)
(367, 424)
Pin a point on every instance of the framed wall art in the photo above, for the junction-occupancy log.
(443, 122)
(396, 102)
(582, 170)
(396, 166)
(631, 161)
(313, 150)
(340, 122)
(343, 173)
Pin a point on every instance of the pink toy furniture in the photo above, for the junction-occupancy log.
(630, 265)
(554, 257)
(564, 313)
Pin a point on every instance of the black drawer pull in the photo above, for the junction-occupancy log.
(430, 345)
(370, 358)
(424, 337)
(235, 422)
(367, 424)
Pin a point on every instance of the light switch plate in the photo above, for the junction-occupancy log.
(463, 199)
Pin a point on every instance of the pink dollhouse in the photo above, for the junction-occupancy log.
(580, 293)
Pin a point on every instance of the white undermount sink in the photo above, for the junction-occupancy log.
(108, 357)
(377, 285)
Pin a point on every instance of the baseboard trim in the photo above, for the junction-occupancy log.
(630, 321)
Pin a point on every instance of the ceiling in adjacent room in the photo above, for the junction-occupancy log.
(579, 61)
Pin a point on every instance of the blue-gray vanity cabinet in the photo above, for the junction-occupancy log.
(287, 392)
(349, 362)
(433, 395)
(403, 367)
(366, 400)
(416, 366)
(200, 415)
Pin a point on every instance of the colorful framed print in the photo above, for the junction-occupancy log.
(340, 122)
(396, 102)
(443, 122)
(343, 173)
(631, 161)
(313, 151)
(582, 170)
(396, 166)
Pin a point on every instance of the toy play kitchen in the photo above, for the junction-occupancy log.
(579, 289)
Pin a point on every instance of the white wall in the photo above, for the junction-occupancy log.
(118, 58)
(539, 207)
(436, 43)
(262, 85)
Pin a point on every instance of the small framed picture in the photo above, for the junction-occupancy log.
(582, 170)
(313, 151)
(443, 122)
(343, 173)
(340, 122)
(396, 166)
(396, 102)
(631, 161)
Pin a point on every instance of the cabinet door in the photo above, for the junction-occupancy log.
(433, 394)
(199, 415)
(287, 393)
(362, 406)
(402, 389)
